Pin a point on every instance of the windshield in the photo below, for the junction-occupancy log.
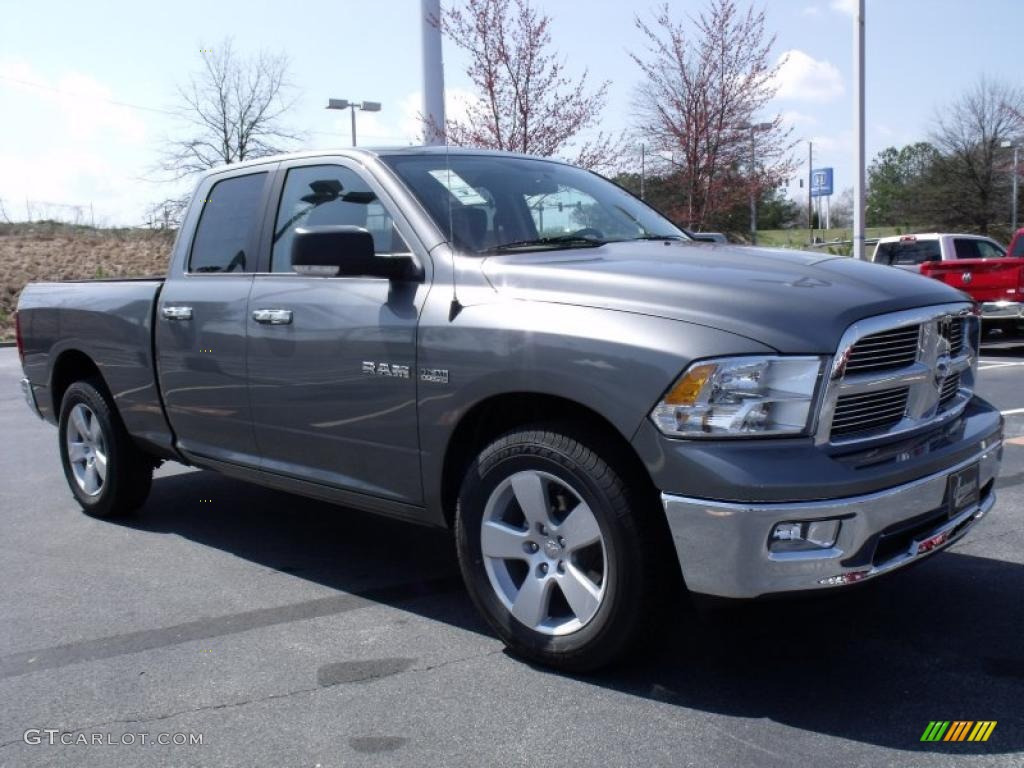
(494, 203)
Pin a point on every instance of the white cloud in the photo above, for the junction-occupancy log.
(849, 7)
(810, 10)
(70, 148)
(832, 146)
(804, 78)
(796, 119)
(84, 104)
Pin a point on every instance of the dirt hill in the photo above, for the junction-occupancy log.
(48, 251)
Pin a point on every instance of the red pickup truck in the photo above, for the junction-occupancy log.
(977, 265)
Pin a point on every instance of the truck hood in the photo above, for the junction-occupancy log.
(793, 301)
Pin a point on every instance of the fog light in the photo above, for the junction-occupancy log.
(787, 531)
(798, 537)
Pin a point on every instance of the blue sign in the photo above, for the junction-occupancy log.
(821, 182)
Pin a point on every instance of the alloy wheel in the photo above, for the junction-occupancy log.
(87, 449)
(544, 552)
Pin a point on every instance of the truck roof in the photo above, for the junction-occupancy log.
(929, 236)
(357, 152)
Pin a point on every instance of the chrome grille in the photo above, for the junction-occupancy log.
(869, 411)
(950, 387)
(883, 351)
(900, 372)
(953, 332)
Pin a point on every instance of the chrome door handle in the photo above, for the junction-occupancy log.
(272, 316)
(176, 313)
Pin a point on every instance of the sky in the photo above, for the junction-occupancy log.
(84, 87)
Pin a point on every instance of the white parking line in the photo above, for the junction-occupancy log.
(1012, 411)
(986, 366)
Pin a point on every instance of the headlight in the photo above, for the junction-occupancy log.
(744, 396)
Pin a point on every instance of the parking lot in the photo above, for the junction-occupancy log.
(287, 632)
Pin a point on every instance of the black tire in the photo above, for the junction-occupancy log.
(620, 508)
(129, 471)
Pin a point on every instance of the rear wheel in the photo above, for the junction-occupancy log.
(553, 548)
(105, 470)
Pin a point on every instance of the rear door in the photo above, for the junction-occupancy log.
(333, 379)
(201, 318)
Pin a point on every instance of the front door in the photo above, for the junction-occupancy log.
(332, 360)
(201, 319)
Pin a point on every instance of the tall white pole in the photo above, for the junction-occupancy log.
(810, 200)
(858, 109)
(433, 72)
(1013, 210)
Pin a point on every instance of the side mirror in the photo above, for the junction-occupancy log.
(347, 251)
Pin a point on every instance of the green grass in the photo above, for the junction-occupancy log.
(799, 238)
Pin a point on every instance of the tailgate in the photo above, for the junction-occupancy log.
(983, 279)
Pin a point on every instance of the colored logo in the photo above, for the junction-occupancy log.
(958, 730)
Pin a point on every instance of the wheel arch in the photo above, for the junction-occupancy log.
(500, 413)
(70, 366)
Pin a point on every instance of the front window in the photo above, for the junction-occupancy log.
(973, 248)
(491, 204)
(318, 195)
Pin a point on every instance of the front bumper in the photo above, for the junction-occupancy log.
(1002, 310)
(30, 397)
(723, 547)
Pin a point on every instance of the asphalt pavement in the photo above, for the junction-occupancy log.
(286, 632)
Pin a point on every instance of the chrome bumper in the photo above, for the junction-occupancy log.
(30, 397)
(723, 547)
(1002, 310)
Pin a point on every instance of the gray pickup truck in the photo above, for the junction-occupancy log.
(525, 353)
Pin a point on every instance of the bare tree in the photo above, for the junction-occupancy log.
(971, 173)
(703, 90)
(525, 99)
(166, 214)
(231, 110)
(841, 211)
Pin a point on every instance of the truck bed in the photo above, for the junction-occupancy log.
(111, 321)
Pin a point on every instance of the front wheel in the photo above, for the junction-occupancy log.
(553, 548)
(107, 473)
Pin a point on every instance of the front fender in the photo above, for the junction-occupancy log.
(615, 363)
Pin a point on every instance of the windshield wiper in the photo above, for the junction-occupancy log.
(569, 241)
(660, 237)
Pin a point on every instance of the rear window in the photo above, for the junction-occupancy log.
(908, 252)
(230, 215)
(1018, 248)
(970, 248)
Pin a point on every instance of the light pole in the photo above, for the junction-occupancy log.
(1013, 192)
(859, 157)
(643, 170)
(433, 72)
(365, 106)
(753, 128)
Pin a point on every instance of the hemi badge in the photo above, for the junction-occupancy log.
(437, 375)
